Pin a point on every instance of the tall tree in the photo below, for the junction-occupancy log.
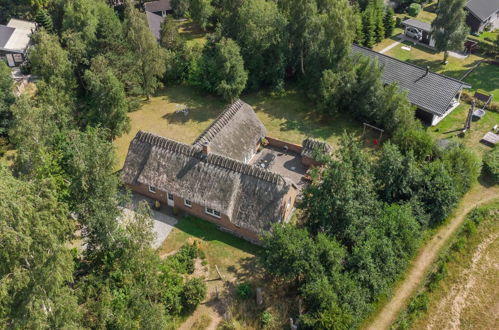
(449, 27)
(36, 267)
(222, 68)
(108, 105)
(389, 21)
(259, 29)
(149, 56)
(6, 98)
(169, 36)
(201, 11)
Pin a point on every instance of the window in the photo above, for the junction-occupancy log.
(187, 203)
(212, 212)
(152, 189)
(170, 196)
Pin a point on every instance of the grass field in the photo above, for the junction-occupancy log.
(290, 116)
(423, 57)
(450, 128)
(485, 78)
(191, 32)
(466, 297)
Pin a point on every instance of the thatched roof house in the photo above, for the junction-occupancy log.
(236, 133)
(247, 196)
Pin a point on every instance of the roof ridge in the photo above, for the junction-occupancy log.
(212, 159)
(220, 122)
(411, 64)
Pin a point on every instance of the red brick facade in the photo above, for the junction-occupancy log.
(199, 210)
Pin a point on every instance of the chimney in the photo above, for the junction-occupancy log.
(206, 148)
(427, 71)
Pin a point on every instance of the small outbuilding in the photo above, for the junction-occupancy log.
(15, 40)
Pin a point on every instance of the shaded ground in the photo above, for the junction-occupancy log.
(427, 255)
(290, 117)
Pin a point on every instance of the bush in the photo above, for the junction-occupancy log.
(491, 162)
(414, 9)
(194, 292)
(417, 140)
(244, 290)
(266, 318)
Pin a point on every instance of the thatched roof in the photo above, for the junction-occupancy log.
(310, 145)
(251, 197)
(235, 133)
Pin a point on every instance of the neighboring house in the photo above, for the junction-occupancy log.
(434, 95)
(419, 31)
(15, 40)
(226, 176)
(482, 13)
(154, 21)
(160, 7)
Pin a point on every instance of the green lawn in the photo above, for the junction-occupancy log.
(451, 126)
(423, 57)
(191, 32)
(485, 78)
(489, 36)
(388, 41)
(290, 116)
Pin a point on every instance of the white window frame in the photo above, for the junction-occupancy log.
(187, 203)
(152, 189)
(212, 212)
(168, 195)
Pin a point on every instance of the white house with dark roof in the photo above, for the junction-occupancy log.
(434, 94)
(482, 13)
(15, 39)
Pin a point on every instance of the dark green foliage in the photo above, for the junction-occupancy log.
(169, 36)
(180, 8)
(201, 11)
(6, 98)
(244, 290)
(221, 69)
(193, 293)
(450, 29)
(389, 22)
(417, 141)
(369, 31)
(438, 191)
(464, 166)
(35, 263)
(259, 29)
(43, 18)
(183, 260)
(266, 319)
(414, 9)
(491, 163)
(398, 176)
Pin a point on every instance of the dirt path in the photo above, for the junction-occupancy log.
(427, 255)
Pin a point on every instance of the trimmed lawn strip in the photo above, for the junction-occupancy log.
(423, 57)
(485, 78)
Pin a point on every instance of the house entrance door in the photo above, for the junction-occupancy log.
(171, 202)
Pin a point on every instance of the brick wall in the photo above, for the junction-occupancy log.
(196, 210)
(280, 144)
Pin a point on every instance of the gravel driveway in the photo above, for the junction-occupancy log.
(163, 223)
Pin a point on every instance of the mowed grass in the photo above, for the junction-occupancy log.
(450, 128)
(422, 56)
(467, 296)
(290, 116)
(485, 78)
(191, 32)
(233, 256)
(388, 41)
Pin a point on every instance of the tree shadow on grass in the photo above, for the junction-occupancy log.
(201, 106)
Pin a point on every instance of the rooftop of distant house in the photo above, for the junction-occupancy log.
(158, 6)
(15, 36)
(483, 9)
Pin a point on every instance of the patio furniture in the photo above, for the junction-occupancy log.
(479, 113)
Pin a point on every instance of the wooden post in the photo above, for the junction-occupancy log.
(259, 296)
(219, 274)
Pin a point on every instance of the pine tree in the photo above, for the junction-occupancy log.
(449, 28)
(369, 25)
(379, 21)
(43, 18)
(389, 22)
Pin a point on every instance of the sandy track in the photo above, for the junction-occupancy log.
(427, 255)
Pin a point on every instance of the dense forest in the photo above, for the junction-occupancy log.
(362, 217)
